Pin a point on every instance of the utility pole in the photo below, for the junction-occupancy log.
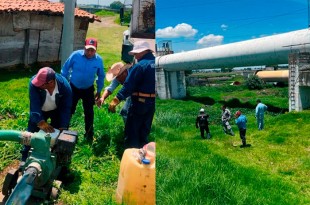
(68, 30)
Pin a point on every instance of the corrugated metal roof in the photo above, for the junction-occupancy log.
(44, 6)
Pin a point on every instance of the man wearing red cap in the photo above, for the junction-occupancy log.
(140, 85)
(241, 121)
(82, 69)
(50, 98)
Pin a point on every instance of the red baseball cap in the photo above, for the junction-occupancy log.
(91, 43)
(44, 75)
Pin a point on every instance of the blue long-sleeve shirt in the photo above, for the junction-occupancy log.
(37, 98)
(113, 85)
(241, 122)
(260, 110)
(82, 71)
(140, 79)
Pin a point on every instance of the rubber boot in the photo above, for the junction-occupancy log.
(243, 143)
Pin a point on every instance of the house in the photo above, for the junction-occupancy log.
(31, 31)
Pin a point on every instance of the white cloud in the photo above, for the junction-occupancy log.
(210, 40)
(224, 27)
(180, 30)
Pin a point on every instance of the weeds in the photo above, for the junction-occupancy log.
(195, 171)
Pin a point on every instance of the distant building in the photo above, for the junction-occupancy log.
(31, 31)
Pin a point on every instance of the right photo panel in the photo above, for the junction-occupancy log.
(232, 105)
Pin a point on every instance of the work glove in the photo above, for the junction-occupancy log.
(45, 127)
(99, 102)
(97, 96)
(113, 104)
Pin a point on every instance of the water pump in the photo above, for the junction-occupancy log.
(49, 154)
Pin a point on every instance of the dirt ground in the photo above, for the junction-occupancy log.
(107, 22)
(3, 173)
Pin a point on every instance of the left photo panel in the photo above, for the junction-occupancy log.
(77, 111)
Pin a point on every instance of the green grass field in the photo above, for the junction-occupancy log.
(95, 167)
(190, 170)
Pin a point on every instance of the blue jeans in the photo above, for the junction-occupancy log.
(124, 111)
(260, 123)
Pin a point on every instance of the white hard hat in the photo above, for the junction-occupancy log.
(202, 110)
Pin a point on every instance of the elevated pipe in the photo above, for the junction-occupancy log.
(270, 50)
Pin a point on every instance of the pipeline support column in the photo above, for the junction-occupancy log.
(170, 84)
(299, 81)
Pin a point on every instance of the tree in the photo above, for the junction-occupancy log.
(117, 5)
(255, 83)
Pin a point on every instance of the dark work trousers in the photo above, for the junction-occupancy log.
(53, 115)
(88, 102)
(139, 122)
(242, 133)
(202, 131)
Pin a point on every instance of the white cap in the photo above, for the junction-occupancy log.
(202, 110)
(139, 47)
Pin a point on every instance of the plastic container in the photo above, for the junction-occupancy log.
(136, 180)
(150, 151)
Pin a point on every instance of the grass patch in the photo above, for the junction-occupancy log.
(195, 171)
(106, 13)
(95, 167)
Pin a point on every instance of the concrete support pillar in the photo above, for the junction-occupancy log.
(299, 90)
(170, 84)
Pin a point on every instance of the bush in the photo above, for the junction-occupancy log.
(116, 5)
(255, 83)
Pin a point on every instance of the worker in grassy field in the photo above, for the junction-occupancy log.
(203, 124)
(241, 121)
(259, 114)
(140, 85)
(82, 69)
(226, 116)
(50, 98)
(117, 75)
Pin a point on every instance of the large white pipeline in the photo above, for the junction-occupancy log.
(270, 50)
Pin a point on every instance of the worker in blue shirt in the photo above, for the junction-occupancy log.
(140, 85)
(117, 75)
(241, 121)
(259, 114)
(82, 69)
(50, 98)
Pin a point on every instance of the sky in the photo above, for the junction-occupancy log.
(196, 24)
